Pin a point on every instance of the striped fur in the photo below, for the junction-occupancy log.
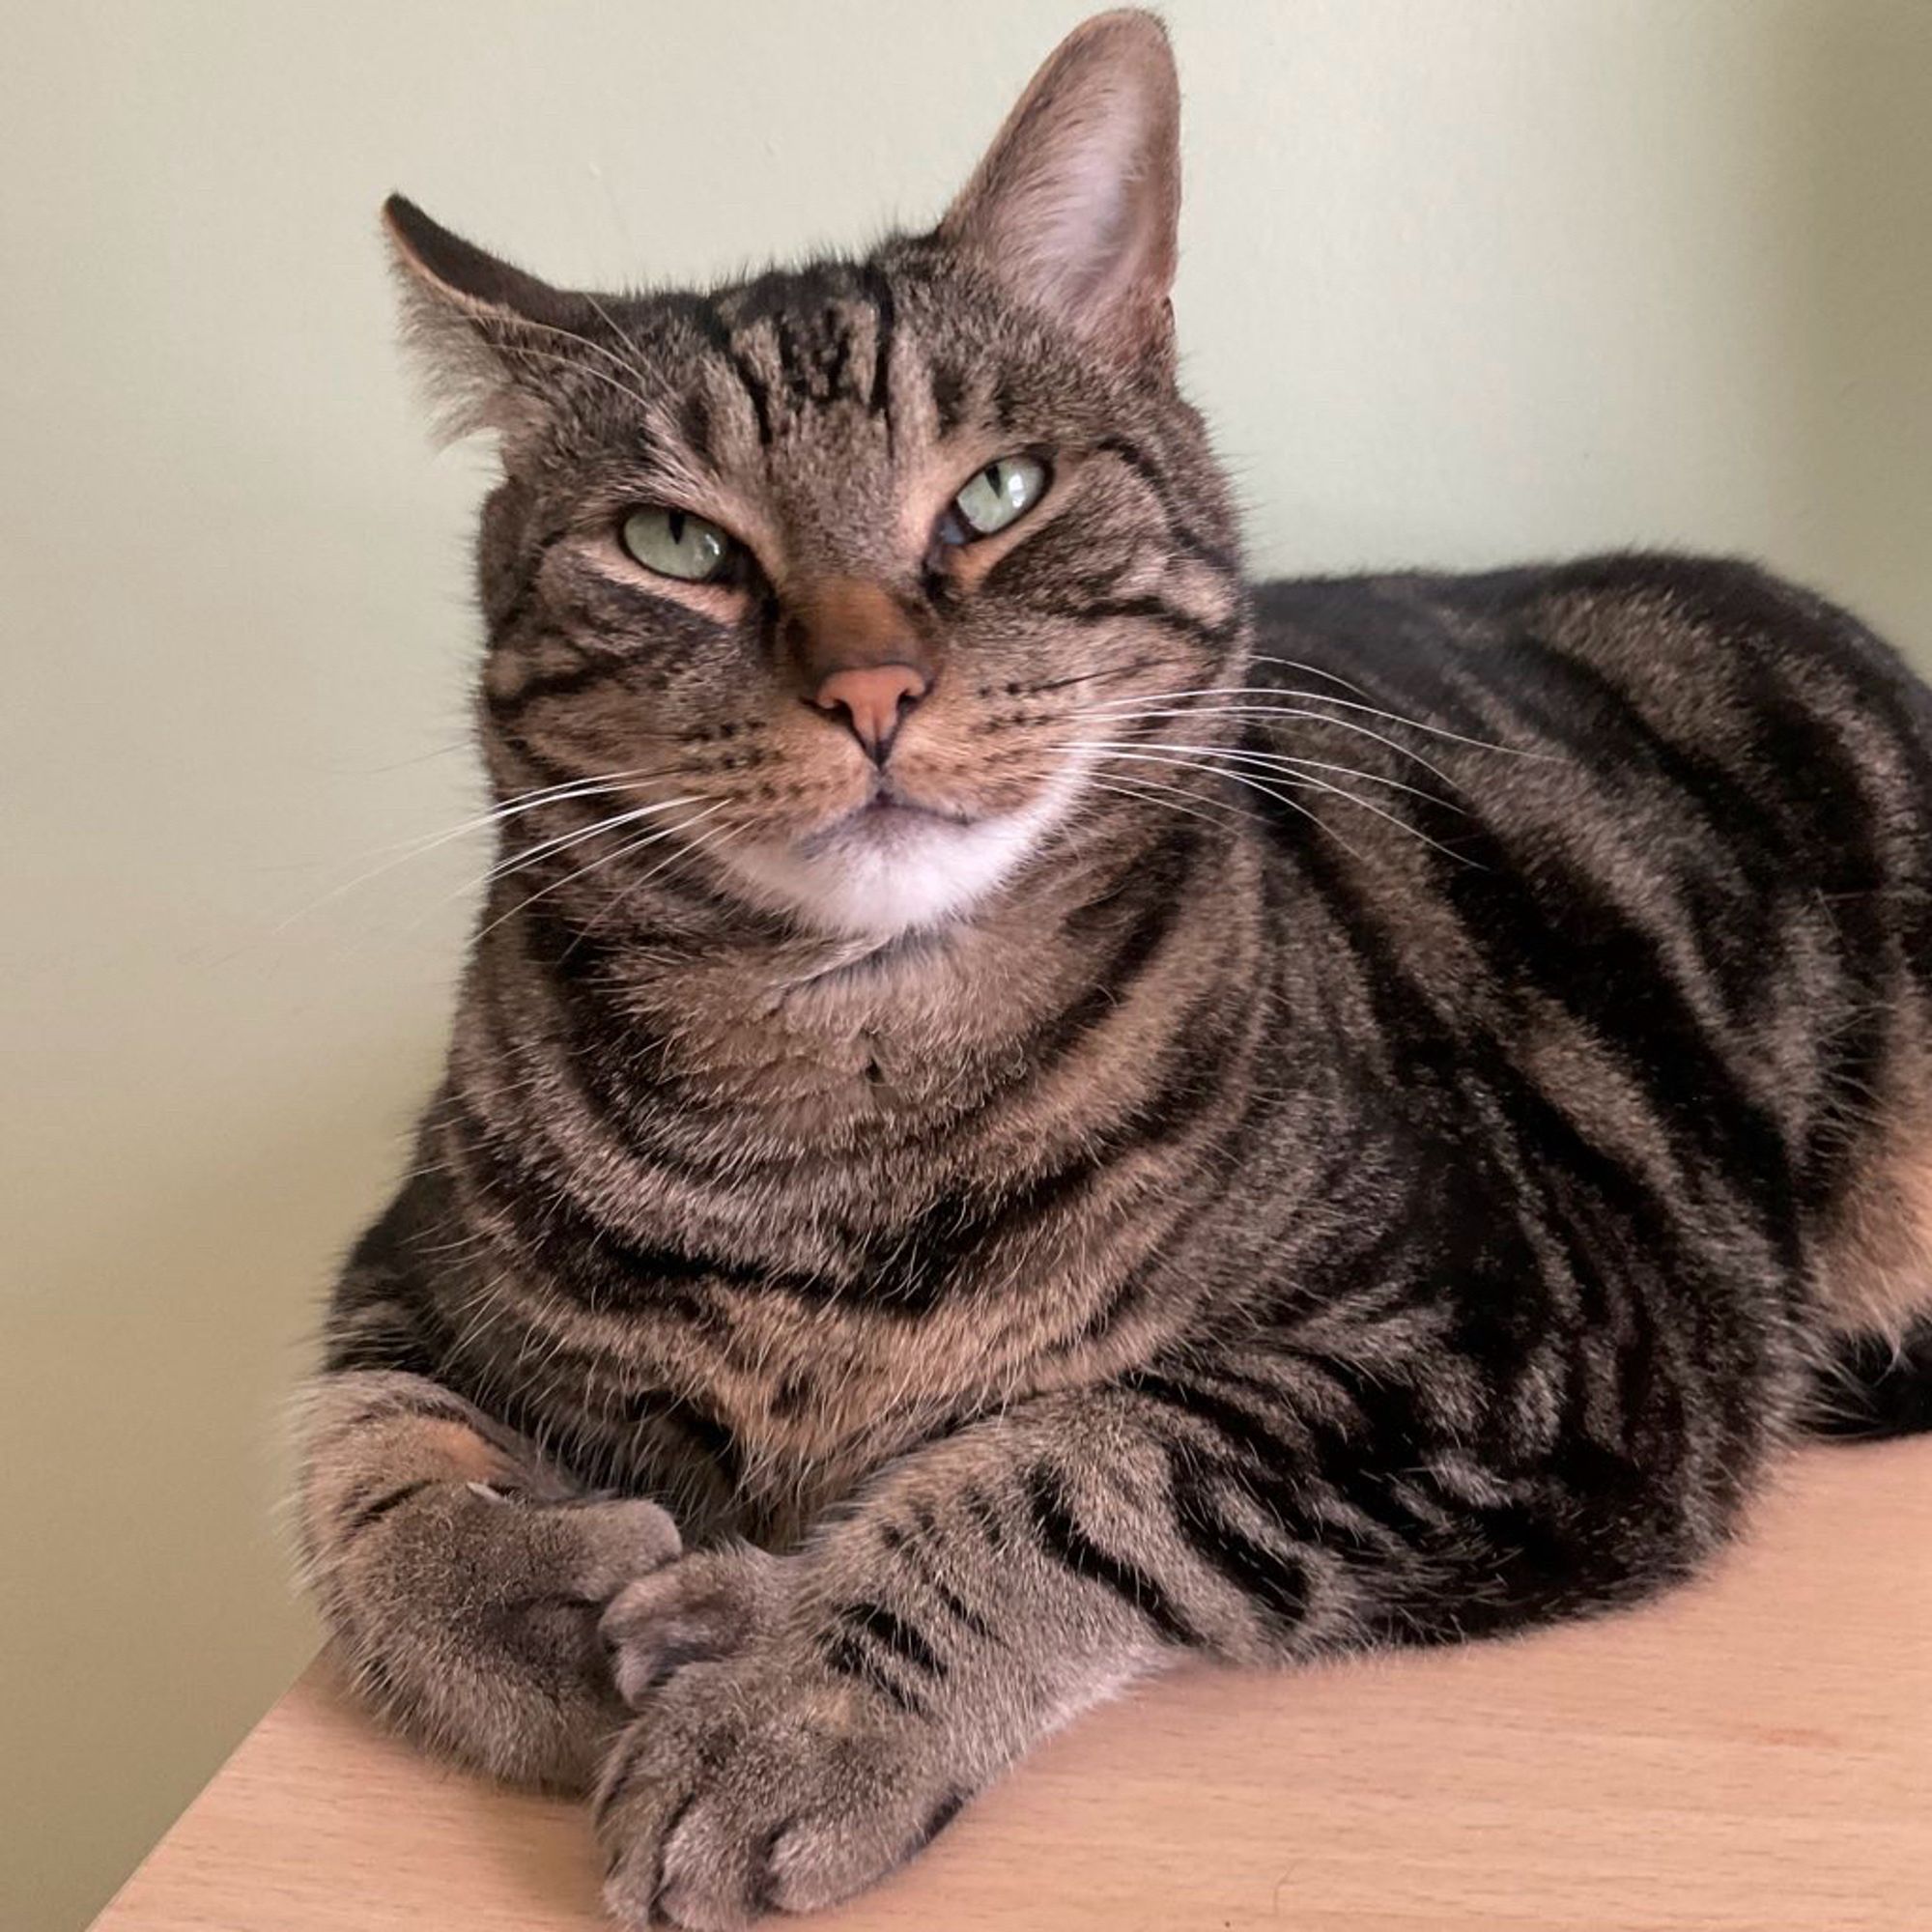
(1432, 1083)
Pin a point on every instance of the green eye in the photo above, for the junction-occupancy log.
(1001, 494)
(674, 542)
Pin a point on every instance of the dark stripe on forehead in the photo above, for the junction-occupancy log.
(795, 360)
(760, 398)
(949, 397)
(714, 331)
(880, 292)
(693, 425)
(839, 329)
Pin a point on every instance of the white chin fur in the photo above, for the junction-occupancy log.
(875, 877)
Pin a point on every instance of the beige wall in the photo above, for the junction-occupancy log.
(1465, 279)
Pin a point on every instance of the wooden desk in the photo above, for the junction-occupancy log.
(1754, 1755)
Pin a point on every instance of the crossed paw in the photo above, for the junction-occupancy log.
(756, 1779)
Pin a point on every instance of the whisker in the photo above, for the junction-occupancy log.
(632, 363)
(1302, 782)
(1108, 672)
(1108, 716)
(1401, 824)
(1294, 762)
(1152, 791)
(1116, 787)
(409, 849)
(1252, 784)
(1314, 671)
(720, 835)
(522, 802)
(623, 851)
(611, 356)
(1343, 703)
(563, 841)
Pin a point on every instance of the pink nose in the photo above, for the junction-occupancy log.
(875, 698)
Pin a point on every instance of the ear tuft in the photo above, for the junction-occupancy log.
(1077, 203)
(480, 329)
(464, 272)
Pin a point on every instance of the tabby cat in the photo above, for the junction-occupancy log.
(1023, 1109)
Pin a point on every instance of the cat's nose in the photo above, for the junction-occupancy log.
(874, 699)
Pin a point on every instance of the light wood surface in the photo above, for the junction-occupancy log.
(1753, 1755)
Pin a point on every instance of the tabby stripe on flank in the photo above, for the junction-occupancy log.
(912, 1554)
(1060, 1533)
(1274, 1580)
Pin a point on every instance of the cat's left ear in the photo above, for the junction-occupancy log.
(1077, 203)
(483, 332)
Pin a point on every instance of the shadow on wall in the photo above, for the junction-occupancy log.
(1553, 279)
(1860, 161)
(151, 1633)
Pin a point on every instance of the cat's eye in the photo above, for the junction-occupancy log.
(999, 495)
(674, 542)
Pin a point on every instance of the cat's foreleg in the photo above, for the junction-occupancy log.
(986, 1590)
(463, 1578)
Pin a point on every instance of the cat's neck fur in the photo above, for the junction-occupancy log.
(792, 1041)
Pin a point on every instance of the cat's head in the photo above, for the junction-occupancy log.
(838, 590)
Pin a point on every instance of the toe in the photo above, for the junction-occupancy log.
(682, 1613)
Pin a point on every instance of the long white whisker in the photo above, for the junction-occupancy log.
(609, 356)
(1322, 697)
(597, 864)
(1145, 791)
(631, 364)
(1302, 782)
(520, 802)
(1314, 671)
(409, 849)
(1290, 762)
(1243, 778)
(718, 834)
(1380, 811)
(1112, 717)
(563, 841)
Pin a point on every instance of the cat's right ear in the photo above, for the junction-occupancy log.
(482, 331)
(1076, 203)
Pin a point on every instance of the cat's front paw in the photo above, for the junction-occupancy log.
(475, 1617)
(764, 1783)
(714, 1603)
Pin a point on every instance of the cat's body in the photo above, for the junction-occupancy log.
(1382, 1104)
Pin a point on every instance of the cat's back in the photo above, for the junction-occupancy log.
(1754, 719)
(1647, 826)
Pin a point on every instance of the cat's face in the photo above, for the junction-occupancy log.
(838, 586)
